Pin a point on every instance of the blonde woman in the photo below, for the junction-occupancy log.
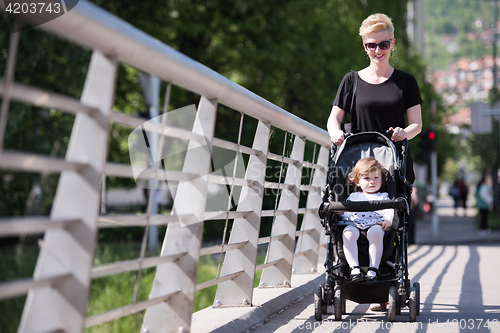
(385, 98)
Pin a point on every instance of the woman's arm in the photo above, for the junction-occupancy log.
(414, 116)
(333, 125)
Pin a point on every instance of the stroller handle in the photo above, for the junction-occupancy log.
(365, 206)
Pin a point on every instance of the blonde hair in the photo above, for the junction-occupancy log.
(376, 23)
(365, 166)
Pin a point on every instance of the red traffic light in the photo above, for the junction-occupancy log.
(431, 135)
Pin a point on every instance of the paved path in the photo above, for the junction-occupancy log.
(459, 287)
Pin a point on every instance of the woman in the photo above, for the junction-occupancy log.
(384, 95)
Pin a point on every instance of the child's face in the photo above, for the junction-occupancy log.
(370, 182)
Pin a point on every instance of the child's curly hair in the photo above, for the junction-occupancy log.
(364, 166)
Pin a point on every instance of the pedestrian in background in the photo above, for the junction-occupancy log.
(455, 193)
(463, 192)
(459, 191)
(484, 199)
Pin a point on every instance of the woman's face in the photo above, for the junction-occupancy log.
(375, 43)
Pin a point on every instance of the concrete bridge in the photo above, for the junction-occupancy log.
(57, 293)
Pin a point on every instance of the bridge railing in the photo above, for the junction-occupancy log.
(57, 293)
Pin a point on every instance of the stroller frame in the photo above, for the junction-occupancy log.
(394, 289)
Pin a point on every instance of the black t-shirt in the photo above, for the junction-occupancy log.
(380, 106)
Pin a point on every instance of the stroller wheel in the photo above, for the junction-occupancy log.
(319, 308)
(337, 302)
(412, 304)
(391, 304)
(416, 285)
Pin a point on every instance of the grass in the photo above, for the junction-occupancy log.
(207, 270)
(15, 262)
(106, 293)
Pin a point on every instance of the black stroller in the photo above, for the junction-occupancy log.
(393, 285)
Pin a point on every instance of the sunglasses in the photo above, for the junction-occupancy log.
(385, 45)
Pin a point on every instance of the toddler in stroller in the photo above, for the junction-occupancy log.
(390, 283)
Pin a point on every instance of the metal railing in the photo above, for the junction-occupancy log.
(57, 294)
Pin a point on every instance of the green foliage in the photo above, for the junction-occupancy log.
(292, 53)
(452, 16)
(16, 262)
(484, 149)
(51, 64)
(456, 29)
(450, 146)
(117, 290)
(38, 131)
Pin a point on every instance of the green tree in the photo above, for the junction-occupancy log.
(450, 26)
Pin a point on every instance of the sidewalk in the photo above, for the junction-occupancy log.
(452, 229)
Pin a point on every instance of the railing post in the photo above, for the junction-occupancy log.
(71, 251)
(239, 291)
(308, 262)
(280, 274)
(185, 236)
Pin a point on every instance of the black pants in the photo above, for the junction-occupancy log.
(484, 218)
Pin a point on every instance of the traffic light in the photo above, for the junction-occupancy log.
(428, 143)
(432, 137)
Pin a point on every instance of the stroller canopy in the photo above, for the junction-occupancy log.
(356, 147)
(360, 145)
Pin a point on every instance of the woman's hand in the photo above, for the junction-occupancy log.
(337, 137)
(398, 134)
(386, 224)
